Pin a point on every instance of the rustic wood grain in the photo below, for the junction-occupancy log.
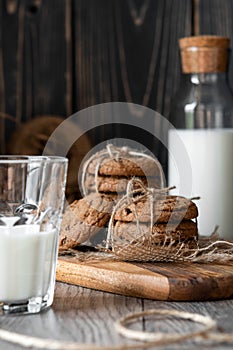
(83, 315)
(124, 61)
(159, 281)
(221, 311)
(69, 58)
(34, 57)
(215, 18)
(2, 93)
(115, 277)
(78, 313)
(61, 56)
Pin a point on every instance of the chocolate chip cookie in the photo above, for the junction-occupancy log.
(84, 218)
(177, 232)
(130, 166)
(110, 170)
(165, 208)
(117, 184)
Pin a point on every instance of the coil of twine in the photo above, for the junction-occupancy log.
(147, 339)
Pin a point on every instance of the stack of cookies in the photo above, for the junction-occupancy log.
(110, 170)
(105, 177)
(165, 218)
(114, 184)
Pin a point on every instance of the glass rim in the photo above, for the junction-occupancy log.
(24, 159)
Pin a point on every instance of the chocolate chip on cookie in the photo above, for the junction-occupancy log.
(165, 208)
(153, 219)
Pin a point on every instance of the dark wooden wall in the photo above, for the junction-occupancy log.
(60, 56)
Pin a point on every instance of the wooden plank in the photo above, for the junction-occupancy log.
(34, 59)
(158, 281)
(221, 311)
(77, 314)
(88, 316)
(47, 63)
(114, 277)
(55, 51)
(2, 91)
(215, 18)
(145, 50)
(45, 52)
(9, 29)
(130, 59)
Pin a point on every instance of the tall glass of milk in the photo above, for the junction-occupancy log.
(202, 113)
(31, 202)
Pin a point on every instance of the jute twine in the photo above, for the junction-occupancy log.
(132, 197)
(142, 249)
(150, 247)
(207, 250)
(113, 152)
(147, 248)
(149, 339)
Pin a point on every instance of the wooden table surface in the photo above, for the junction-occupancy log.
(87, 316)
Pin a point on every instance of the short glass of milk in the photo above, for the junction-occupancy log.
(32, 193)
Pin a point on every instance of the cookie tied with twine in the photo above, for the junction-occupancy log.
(145, 225)
(154, 241)
(109, 171)
(149, 225)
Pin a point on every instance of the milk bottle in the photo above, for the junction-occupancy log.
(202, 113)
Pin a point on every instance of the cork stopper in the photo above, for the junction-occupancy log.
(204, 54)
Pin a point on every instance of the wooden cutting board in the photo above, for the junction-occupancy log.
(159, 281)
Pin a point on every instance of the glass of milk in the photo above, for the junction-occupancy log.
(31, 202)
